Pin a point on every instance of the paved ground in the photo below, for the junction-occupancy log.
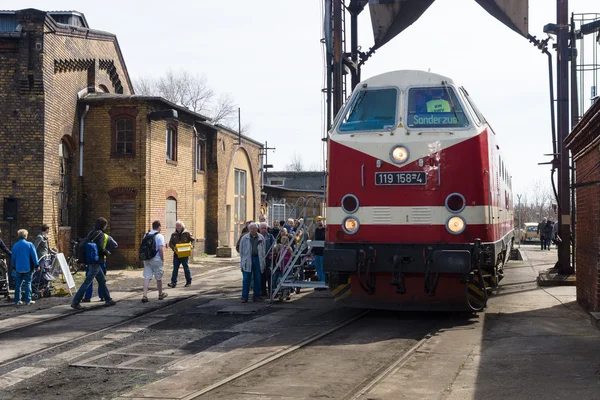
(530, 343)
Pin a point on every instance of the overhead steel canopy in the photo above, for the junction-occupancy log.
(390, 17)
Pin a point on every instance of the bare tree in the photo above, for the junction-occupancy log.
(194, 93)
(296, 164)
(224, 111)
(145, 86)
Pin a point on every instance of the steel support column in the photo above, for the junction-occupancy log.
(564, 206)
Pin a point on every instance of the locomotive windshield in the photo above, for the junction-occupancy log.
(371, 110)
(435, 107)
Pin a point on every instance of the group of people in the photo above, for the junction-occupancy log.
(28, 257)
(263, 250)
(548, 232)
(266, 252)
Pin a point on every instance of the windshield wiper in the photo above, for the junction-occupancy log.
(445, 84)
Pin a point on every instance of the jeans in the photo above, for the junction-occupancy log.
(253, 276)
(90, 290)
(20, 278)
(319, 268)
(186, 269)
(92, 271)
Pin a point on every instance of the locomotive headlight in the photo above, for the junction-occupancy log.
(399, 154)
(350, 225)
(456, 225)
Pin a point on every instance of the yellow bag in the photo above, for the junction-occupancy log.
(183, 250)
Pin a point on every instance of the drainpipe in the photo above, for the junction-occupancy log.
(81, 129)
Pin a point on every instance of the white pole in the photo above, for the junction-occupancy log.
(519, 219)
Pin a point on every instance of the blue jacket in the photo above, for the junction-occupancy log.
(24, 257)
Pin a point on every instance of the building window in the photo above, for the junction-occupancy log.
(276, 181)
(171, 143)
(200, 156)
(123, 124)
(64, 188)
(124, 136)
(122, 221)
(239, 197)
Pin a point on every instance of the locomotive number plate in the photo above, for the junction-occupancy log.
(400, 178)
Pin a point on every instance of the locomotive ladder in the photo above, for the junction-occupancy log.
(290, 276)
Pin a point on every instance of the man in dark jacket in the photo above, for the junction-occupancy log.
(94, 269)
(318, 250)
(181, 235)
(548, 234)
(540, 231)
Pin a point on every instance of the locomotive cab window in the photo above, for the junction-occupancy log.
(435, 107)
(371, 110)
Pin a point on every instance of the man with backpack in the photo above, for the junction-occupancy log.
(92, 250)
(152, 253)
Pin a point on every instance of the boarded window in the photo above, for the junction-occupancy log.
(122, 221)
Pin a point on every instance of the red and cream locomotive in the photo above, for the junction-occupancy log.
(419, 201)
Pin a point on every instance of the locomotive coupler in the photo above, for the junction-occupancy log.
(365, 261)
(431, 280)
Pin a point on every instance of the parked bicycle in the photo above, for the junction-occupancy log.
(74, 264)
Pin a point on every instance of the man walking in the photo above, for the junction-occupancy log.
(111, 245)
(94, 268)
(181, 235)
(252, 261)
(24, 260)
(156, 264)
(540, 232)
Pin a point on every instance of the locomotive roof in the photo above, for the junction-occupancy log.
(404, 78)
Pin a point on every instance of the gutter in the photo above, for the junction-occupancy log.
(81, 129)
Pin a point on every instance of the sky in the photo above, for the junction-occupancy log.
(267, 54)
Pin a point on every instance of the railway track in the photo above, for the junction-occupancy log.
(278, 363)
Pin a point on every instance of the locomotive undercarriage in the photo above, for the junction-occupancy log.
(478, 266)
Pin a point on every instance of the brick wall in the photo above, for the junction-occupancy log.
(22, 126)
(584, 144)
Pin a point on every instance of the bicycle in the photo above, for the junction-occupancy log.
(74, 264)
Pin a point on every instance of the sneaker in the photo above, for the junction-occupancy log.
(244, 300)
(162, 295)
(18, 303)
(101, 298)
(188, 284)
(30, 302)
(145, 299)
(110, 303)
(171, 285)
(77, 306)
(86, 300)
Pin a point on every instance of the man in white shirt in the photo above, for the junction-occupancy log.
(155, 266)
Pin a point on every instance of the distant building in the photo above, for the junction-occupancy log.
(78, 144)
(288, 194)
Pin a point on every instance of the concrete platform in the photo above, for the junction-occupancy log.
(530, 343)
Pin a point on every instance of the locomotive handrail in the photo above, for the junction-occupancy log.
(485, 171)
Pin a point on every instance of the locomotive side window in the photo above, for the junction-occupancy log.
(435, 107)
(371, 110)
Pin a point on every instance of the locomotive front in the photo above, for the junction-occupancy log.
(410, 210)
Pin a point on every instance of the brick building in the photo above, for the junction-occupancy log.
(584, 144)
(65, 85)
(290, 194)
